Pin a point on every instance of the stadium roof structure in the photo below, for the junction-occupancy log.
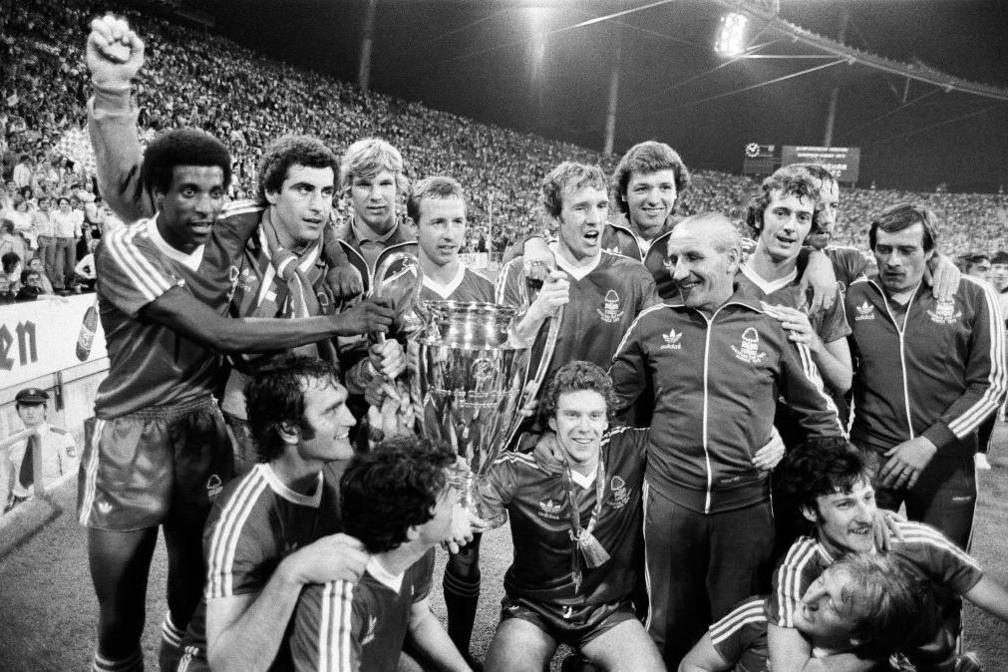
(916, 71)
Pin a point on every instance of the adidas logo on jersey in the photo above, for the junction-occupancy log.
(865, 311)
(104, 508)
(550, 509)
(672, 339)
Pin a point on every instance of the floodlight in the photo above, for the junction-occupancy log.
(731, 40)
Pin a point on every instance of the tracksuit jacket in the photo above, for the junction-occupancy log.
(936, 371)
(715, 382)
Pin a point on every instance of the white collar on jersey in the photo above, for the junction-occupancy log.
(191, 261)
(314, 500)
(383, 576)
(768, 286)
(444, 291)
(583, 481)
(576, 272)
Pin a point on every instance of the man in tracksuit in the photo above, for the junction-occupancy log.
(715, 364)
(928, 372)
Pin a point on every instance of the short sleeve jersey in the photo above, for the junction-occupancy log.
(604, 300)
(924, 552)
(151, 364)
(830, 323)
(339, 627)
(849, 264)
(254, 524)
(740, 638)
(538, 507)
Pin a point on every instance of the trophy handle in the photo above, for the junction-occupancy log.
(531, 387)
(378, 281)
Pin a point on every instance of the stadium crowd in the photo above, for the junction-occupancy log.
(301, 513)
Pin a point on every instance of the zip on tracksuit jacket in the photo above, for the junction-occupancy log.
(715, 382)
(936, 371)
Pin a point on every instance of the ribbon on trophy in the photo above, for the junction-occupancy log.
(585, 544)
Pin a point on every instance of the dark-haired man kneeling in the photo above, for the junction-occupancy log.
(400, 500)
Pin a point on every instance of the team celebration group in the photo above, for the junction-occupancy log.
(707, 479)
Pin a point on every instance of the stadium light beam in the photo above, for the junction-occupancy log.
(732, 39)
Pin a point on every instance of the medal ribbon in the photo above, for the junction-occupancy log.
(585, 544)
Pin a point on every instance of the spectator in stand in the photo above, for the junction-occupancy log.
(35, 264)
(84, 271)
(31, 286)
(11, 266)
(22, 219)
(6, 295)
(46, 237)
(37, 455)
(10, 241)
(67, 229)
(22, 173)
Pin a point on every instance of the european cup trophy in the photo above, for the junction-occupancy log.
(473, 376)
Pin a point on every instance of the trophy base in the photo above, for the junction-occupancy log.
(470, 499)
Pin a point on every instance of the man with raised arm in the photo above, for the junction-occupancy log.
(159, 452)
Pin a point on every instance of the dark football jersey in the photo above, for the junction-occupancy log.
(255, 523)
(604, 300)
(537, 505)
(151, 364)
(341, 627)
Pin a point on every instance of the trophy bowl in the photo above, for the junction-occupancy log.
(471, 378)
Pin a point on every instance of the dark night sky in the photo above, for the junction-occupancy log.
(473, 57)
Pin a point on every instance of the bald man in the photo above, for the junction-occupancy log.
(713, 362)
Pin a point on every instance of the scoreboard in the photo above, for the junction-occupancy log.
(762, 160)
(843, 162)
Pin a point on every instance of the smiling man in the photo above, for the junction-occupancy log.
(713, 362)
(832, 484)
(275, 530)
(578, 555)
(929, 372)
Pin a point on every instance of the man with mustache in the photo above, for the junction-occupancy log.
(928, 373)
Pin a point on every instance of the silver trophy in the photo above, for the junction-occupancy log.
(473, 377)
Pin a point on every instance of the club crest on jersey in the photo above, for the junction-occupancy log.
(672, 339)
(944, 312)
(620, 493)
(234, 275)
(748, 351)
(865, 311)
(214, 485)
(610, 311)
(550, 509)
